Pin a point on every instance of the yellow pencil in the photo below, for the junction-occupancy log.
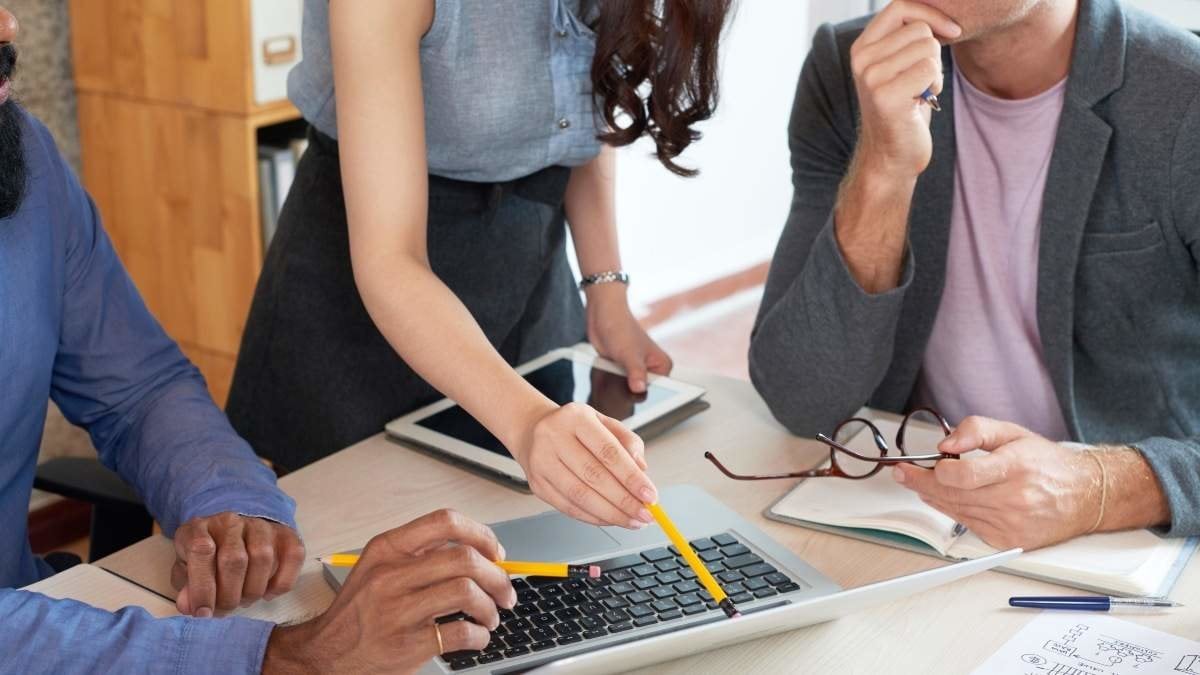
(513, 567)
(685, 549)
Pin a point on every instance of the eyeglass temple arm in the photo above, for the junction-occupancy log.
(901, 459)
(814, 473)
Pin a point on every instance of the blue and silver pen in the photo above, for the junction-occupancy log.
(1090, 603)
(929, 97)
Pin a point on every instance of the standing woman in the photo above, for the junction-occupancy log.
(422, 246)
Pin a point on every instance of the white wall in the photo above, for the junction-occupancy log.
(1185, 13)
(680, 233)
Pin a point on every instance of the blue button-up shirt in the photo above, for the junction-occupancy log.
(73, 328)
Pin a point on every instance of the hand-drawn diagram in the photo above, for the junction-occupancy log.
(1189, 664)
(1069, 644)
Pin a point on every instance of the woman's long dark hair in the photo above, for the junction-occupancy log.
(656, 63)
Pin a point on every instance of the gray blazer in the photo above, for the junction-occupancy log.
(1119, 272)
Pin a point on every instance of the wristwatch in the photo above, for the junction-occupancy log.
(604, 278)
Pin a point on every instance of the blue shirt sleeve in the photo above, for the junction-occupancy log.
(43, 635)
(147, 408)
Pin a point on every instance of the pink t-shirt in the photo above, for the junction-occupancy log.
(985, 354)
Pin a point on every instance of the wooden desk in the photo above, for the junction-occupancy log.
(949, 629)
(102, 589)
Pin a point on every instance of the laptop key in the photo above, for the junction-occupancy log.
(765, 592)
(620, 627)
(730, 576)
(735, 587)
(741, 597)
(777, 579)
(687, 599)
(670, 616)
(638, 597)
(573, 585)
(519, 624)
(620, 575)
(614, 603)
(540, 634)
(639, 611)
(526, 609)
(462, 664)
(661, 606)
(645, 620)
(599, 593)
(787, 588)
(754, 584)
(645, 583)
(702, 544)
(724, 539)
(489, 658)
(662, 592)
(687, 573)
(686, 587)
(517, 640)
(519, 584)
(591, 623)
(666, 565)
(570, 639)
(543, 645)
(574, 599)
(567, 628)
(567, 614)
(552, 591)
(506, 615)
(715, 567)
(706, 596)
(695, 609)
(757, 570)
(743, 560)
(616, 616)
(591, 608)
(735, 549)
(528, 595)
(538, 582)
(516, 651)
(644, 570)
(593, 634)
(544, 620)
(711, 555)
(550, 605)
(622, 588)
(656, 554)
(669, 578)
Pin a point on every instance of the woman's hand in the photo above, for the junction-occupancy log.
(589, 466)
(617, 335)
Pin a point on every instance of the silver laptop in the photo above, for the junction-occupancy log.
(648, 606)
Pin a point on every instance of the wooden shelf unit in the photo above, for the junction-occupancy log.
(168, 127)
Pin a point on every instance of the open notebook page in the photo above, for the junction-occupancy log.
(877, 502)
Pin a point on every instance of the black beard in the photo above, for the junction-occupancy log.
(12, 160)
(12, 155)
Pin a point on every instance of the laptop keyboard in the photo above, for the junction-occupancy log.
(635, 591)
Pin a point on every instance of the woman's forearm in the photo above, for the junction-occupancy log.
(591, 213)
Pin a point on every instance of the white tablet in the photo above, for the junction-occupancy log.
(563, 375)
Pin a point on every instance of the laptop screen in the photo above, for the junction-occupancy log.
(562, 381)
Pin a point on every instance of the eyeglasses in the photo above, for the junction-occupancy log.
(847, 463)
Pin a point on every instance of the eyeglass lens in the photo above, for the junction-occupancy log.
(855, 435)
(921, 435)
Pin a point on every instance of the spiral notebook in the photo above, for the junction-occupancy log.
(879, 510)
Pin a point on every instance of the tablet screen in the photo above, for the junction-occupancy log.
(562, 381)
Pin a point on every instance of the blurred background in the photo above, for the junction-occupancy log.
(174, 113)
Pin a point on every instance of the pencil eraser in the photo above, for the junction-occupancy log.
(594, 571)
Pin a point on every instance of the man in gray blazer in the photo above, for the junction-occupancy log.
(1030, 253)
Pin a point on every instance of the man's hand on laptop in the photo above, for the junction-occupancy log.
(227, 560)
(588, 466)
(1031, 492)
(383, 619)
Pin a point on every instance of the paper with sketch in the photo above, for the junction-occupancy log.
(1056, 643)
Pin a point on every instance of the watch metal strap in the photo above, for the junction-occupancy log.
(604, 278)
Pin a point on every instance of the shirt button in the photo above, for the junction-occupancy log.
(562, 34)
(564, 123)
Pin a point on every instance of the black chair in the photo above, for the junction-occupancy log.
(118, 516)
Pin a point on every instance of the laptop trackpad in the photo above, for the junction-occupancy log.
(552, 536)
